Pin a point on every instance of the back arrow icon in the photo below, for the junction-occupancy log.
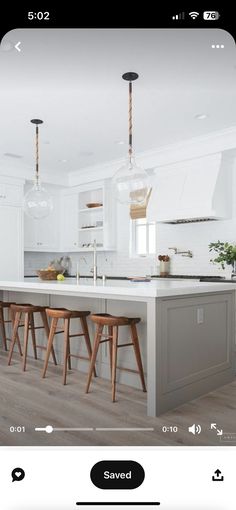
(17, 46)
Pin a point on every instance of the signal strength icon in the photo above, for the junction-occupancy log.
(181, 15)
(194, 14)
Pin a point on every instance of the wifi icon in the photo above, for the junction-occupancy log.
(194, 14)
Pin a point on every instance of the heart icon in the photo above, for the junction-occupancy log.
(18, 474)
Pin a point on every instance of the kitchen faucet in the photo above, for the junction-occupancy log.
(186, 253)
(94, 269)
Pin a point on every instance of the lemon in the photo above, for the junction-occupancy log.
(60, 277)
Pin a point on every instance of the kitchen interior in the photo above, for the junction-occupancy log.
(139, 244)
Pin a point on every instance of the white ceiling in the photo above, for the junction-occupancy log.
(72, 80)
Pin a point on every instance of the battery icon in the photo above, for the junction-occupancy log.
(211, 15)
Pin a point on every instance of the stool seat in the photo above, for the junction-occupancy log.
(113, 323)
(58, 313)
(78, 314)
(106, 319)
(27, 308)
(6, 304)
(64, 313)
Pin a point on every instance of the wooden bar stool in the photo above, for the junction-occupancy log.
(66, 315)
(6, 305)
(113, 323)
(28, 311)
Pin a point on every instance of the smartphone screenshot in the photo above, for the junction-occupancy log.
(117, 261)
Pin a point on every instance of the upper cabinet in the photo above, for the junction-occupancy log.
(69, 222)
(43, 234)
(80, 215)
(11, 194)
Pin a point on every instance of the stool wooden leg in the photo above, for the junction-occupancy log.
(49, 346)
(2, 324)
(14, 335)
(17, 334)
(94, 355)
(114, 361)
(110, 334)
(31, 318)
(135, 341)
(84, 325)
(26, 337)
(68, 354)
(66, 347)
(47, 330)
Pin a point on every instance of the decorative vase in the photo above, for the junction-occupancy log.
(164, 268)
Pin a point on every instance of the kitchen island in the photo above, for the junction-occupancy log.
(187, 332)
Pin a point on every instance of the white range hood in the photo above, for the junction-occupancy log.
(193, 190)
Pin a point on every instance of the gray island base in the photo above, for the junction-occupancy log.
(186, 334)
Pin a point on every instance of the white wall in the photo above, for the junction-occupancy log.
(192, 236)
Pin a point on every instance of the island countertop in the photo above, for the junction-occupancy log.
(126, 288)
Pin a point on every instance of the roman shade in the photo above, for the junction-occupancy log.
(138, 211)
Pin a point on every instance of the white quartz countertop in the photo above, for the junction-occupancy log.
(117, 288)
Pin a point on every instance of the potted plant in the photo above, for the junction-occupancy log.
(226, 255)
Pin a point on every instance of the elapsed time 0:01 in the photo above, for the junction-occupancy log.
(17, 429)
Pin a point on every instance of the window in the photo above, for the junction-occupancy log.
(143, 238)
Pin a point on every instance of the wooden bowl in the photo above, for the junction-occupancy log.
(94, 204)
(48, 274)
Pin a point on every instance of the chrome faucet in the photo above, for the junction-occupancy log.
(94, 270)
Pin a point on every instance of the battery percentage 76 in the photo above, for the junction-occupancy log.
(211, 15)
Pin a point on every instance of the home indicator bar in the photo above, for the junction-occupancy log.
(123, 503)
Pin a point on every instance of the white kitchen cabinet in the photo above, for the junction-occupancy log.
(69, 220)
(43, 234)
(11, 252)
(10, 194)
(73, 226)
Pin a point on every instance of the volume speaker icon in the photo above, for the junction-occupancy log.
(193, 14)
(195, 429)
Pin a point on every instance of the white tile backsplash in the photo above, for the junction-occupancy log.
(193, 236)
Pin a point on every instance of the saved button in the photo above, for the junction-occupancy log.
(117, 474)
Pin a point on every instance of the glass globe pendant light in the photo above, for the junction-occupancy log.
(37, 202)
(130, 181)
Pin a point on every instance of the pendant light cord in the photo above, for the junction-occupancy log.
(130, 122)
(37, 155)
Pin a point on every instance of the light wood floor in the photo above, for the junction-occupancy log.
(27, 400)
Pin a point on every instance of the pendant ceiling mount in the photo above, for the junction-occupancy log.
(130, 76)
(37, 202)
(130, 181)
(36, 121)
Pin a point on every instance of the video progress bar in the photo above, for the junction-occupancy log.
(49, 429)
(122, 503)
